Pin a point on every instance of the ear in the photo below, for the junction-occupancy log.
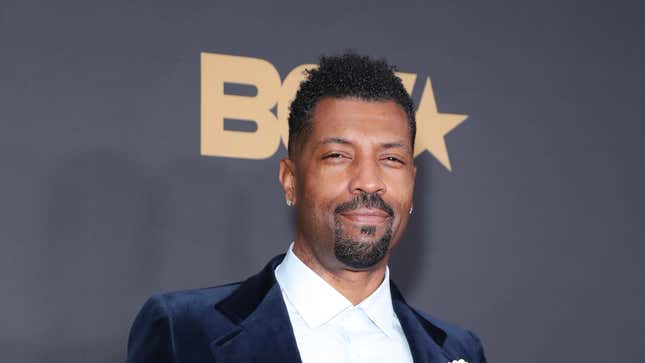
(287, 178)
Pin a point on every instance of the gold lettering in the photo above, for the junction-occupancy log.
(216, 106)
(218, 69)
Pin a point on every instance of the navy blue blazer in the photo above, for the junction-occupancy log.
(248, 322)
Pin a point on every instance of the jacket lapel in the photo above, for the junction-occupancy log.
(424, 338)
(262, 330)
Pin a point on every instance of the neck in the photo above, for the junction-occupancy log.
(355, 285)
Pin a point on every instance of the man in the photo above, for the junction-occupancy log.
(350, 177)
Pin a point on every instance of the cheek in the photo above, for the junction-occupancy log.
(323, 187)
(400, 198)
(401, 188)
(315, 201)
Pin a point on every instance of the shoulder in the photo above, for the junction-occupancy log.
(175, 319)
(185, 306)
(177, 301)
(458, 341)
(181, 325)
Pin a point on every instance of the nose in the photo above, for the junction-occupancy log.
(366, 178)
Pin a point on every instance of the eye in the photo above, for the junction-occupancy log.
(333, 156)
(394, 159)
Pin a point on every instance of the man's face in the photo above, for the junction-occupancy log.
(354, 179)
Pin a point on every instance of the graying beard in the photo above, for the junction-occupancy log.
(365, 254)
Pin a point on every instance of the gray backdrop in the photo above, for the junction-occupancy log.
(534, 240)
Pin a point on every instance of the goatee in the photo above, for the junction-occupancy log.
(362, 254)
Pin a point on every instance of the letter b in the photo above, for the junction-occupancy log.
(216, 106)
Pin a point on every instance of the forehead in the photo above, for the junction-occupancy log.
(360, 121)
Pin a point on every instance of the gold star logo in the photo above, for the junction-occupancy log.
(432, 127)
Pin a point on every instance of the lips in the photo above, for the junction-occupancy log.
(366, 216)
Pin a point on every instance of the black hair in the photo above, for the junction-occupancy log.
(347, 76)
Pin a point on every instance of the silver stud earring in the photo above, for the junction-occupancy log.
(289, 203)
(411, 210)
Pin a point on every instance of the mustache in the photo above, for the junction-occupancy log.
(365, 200)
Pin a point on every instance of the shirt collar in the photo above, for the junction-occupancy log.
(378, 306)
(317, 302)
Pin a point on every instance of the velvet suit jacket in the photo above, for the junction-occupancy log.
(248, 322)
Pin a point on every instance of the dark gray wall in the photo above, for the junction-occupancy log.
(535, 240)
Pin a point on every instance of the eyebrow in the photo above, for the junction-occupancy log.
(334, 140)
(389, 145)
(340, 140)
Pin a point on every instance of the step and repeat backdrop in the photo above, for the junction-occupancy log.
(140, 140)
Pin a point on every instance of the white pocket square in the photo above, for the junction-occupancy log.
(458, 361)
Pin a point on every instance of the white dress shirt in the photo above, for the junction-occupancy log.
(329, 329)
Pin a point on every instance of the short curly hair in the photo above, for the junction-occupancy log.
(347, 76)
